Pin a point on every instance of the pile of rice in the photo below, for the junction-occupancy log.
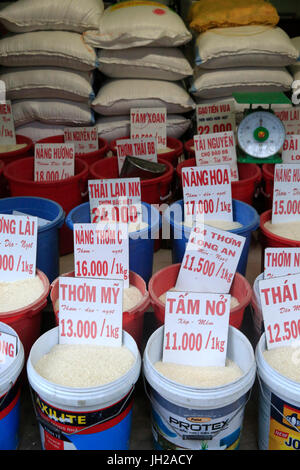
(20, 294)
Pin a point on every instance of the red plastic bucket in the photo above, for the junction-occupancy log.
(133, 319)
(90, 157)
(154, 191)
(69, 192)
(269, 239)
(9, 157)
(166, 278)
(171, 156)
(268, 179)
(244, 189)
(27, 321)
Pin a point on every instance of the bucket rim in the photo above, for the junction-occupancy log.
(20, 139)
(266, 216)
(266, 170)
(9, 376)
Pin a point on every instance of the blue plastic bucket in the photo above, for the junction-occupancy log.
(48, 234)
(141, 243)
(242, 213)
(10, 391)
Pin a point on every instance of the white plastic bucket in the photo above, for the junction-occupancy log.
(191, 418)
(10, 390)
(279, 406)
(95, 418)
(257, 316)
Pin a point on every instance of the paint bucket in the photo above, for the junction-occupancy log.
(257, 315)
(192, 418)
(26, 321)
(268, 183)
(101, 415)
(153, 191)
(133, 319)
(10, 391)
(242, 213)
(89, 157)
(244, 189)
(141, 243)
(172, 156)
(68, 192)
(166, 278)
(279, 406)
(9, 157)
(47, 259)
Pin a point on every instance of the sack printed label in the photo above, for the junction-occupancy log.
(291, 149)
(8, 350)
(7, 125)
(84, 139)
(217, 149)
(148, 123)
(215, 118)
(284, 433)
(90, 312)
(281, 262)
(286, 193)
(140, 148)
(290, 118)
(53, 162)
(18, 245)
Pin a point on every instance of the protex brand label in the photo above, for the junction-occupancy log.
(177, 427)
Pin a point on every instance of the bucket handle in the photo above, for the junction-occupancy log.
(165, 198)
(40, 420)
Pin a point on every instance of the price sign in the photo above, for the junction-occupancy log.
(141, 148)
(214, 118)
(116, 200)
(2, 92)
(53, 162)
(281, 262)
(196, 328)
(280, 301)
(8, 350)
(18, 241)
(90, 312)
(7, 126)
(210, 260)
(290, 118)
(286, 194)
(101, 251)
(84, 139)
(217, 149)
(149, 123)
(207, 193)
(291, 149)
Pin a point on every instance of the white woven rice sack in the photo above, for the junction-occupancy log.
(115, 127)
(47, 48)
(223, 82)
(46, 82)
(36, 130)
(52, 111)
(117, 96)
(138, 23)
(245, 46)
(41, 15)
(161, 63)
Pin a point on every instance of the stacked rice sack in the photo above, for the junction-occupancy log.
(295, 71)
(47, 68)
(239, 48)
(139, 54)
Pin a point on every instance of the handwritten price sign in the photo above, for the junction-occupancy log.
(7, 126)
(53, 162)
(84, 139)
(8, 350)
(286, 194)
(145, 149)
(90, 312)
(148, 123)
(196, 328)
(18, 241)
(281, 262)
(215, 118)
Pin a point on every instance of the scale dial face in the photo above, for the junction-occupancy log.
(261, 134)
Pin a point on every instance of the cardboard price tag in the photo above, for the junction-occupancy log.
(140, 148)
(84, 139)
(7, 125)
(291, 149)
(115, 200)
(217, 149)
(8, 350)
(210, 260)
(196, 328)
(18, 242)
(149, 123)
(90, 312)
(102, 251)
(53, 162)
(207, 193)
(286, 194)
(281, 262)
(290, 118)
(216, 117)
(280, 301)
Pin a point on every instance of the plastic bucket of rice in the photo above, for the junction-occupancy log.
(141, 242)
(133, 318)
(96, 417)
(179, 233)
(193, 418)
(165, 279)
(24, 147)
(279, 403)
(10, 391)
(269, 239)
(31, 298)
